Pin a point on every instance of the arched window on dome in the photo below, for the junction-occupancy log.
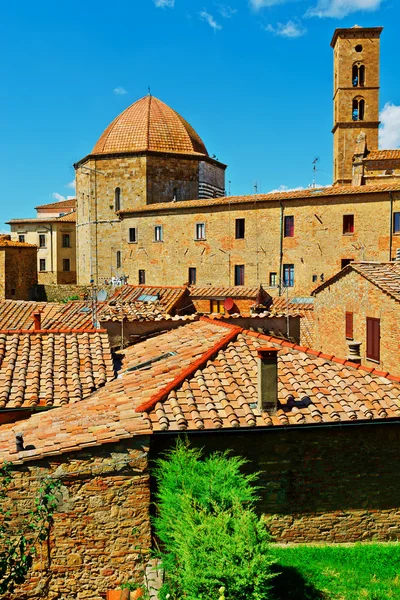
(117, 199)
(358, 110)
(358, 75)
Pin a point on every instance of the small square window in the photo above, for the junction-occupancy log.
(239, 229)
(200, 231)
(348, 224)
(66, 241)
(132, 235)
(289, 226)
(66, 265)
(192, 276)
(42, 240)
(42, 264)
(21, 238)
(158, 233)
(273, 280)
(239, 274)
(315, 278)
(396, 222)
(142, 277)
(217, 307)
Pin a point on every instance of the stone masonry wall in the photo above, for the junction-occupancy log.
(316, 250)
(20, 272)
(355, 294)
(334, 484)
(102, 516)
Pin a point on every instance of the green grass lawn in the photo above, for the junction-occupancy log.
(353, 572)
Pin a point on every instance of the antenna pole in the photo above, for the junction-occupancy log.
(314, 172)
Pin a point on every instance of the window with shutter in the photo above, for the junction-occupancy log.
(349, 325)
(373, 338)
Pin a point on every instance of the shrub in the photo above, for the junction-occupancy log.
(208, 527)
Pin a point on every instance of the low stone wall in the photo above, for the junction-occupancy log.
(102, 518)
(58, 293)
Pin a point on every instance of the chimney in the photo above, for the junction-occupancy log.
(19, 442)
(268, 380)
(37, 320)
(354, 352)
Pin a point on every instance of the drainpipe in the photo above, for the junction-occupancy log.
(391, 226)
(281, 249)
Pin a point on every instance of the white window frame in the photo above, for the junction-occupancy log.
(158, 233)
(200, 231)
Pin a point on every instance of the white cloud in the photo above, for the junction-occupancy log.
(389, 133)
(210, 20)
(71, 184)
(257, 4)
(164, 3)
(59, 198)
(120, 91)
(285, 188)
(291, 29)
(226, 11)
(341, 8)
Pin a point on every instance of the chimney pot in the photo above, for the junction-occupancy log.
(268, 379)
(37, 320)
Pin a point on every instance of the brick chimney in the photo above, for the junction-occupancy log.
(268, 379)
(37, 320)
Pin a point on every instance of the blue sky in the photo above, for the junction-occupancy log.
(253, 77)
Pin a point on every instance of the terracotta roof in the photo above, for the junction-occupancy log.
(133, 311)
(298, 306)
(109, 415)
(340, 190)
(167, 296)
(70, 203)
(204, 376)
(69, 218)
(17, 314)
(383, 155)
(51, 368)
(149, 124)
(210, 291)
(7, 242)
(385, 276)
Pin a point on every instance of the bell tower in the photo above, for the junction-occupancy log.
(355, 95)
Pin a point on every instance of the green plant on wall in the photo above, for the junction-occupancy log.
(213, 543)
(20, 534)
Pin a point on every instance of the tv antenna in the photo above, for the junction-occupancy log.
(314, 162)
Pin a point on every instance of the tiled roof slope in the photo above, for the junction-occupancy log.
(17, 314)
(340, 190)
(149, 124)
(67, 218)
(168, 296)
(7, 242)
(313, 388)
(109, 415)
(133, 311)
(210, 291)
(383, 155)
(385, 276)
(280, 305)
(51, 368)
(70, 203)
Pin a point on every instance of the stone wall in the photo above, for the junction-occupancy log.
(316, 250)
(20, 272)
(318, 484)
(355, 294)
(104, 498)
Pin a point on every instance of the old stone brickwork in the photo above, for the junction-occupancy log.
(335, 484)
(353, 293)
(101, 527)
(18, 269)
(317, 249)
(149, 154)
(356, 95)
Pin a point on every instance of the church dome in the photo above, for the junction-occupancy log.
(149, 124)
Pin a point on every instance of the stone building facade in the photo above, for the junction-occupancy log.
(53, 231)
(149, 154)
(150, 203)
(18, 270)
(360, 307)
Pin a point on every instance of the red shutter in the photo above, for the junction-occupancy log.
(373, 338)
(349, 325)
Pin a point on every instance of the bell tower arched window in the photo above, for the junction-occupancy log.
(358, 110)
(117, 199)
(358, 75)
